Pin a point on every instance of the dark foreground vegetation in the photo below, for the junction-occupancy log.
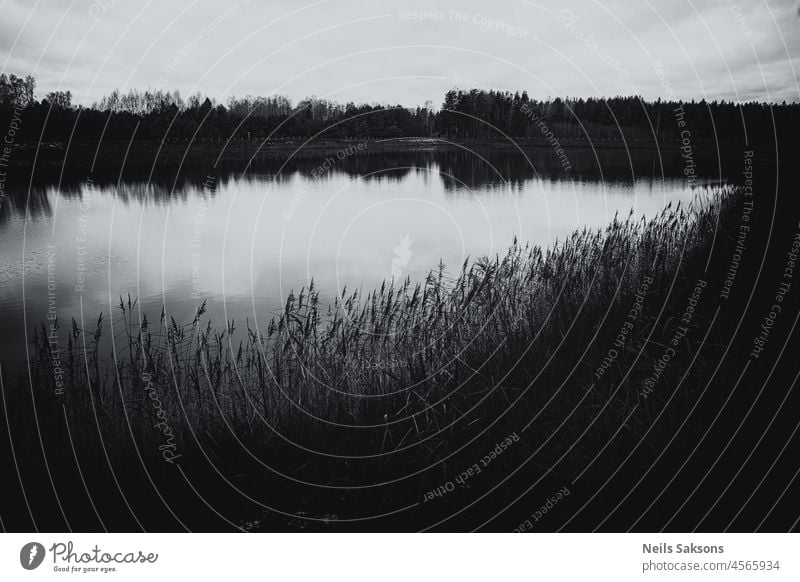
(349, 416)
(157, 114)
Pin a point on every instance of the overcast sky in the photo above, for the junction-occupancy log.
(407, 52)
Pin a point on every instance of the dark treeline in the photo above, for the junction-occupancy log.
(479, 113)
(158, 114)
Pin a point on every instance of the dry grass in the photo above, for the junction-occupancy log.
(513, 339)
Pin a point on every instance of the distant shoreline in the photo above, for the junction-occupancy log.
(150, 150)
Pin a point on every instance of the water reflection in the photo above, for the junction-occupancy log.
(244, 236)
(457, 168)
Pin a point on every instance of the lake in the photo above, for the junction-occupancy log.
(244, 236)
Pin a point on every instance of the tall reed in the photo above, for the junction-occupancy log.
(407, 363)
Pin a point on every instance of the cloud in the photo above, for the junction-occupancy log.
(406, 52)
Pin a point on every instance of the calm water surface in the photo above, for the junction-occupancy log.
(244, 240)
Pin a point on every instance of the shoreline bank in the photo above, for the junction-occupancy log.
(167, 150)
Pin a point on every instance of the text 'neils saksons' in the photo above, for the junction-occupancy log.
(663, 548)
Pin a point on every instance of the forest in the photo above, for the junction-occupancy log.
(156, 114)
